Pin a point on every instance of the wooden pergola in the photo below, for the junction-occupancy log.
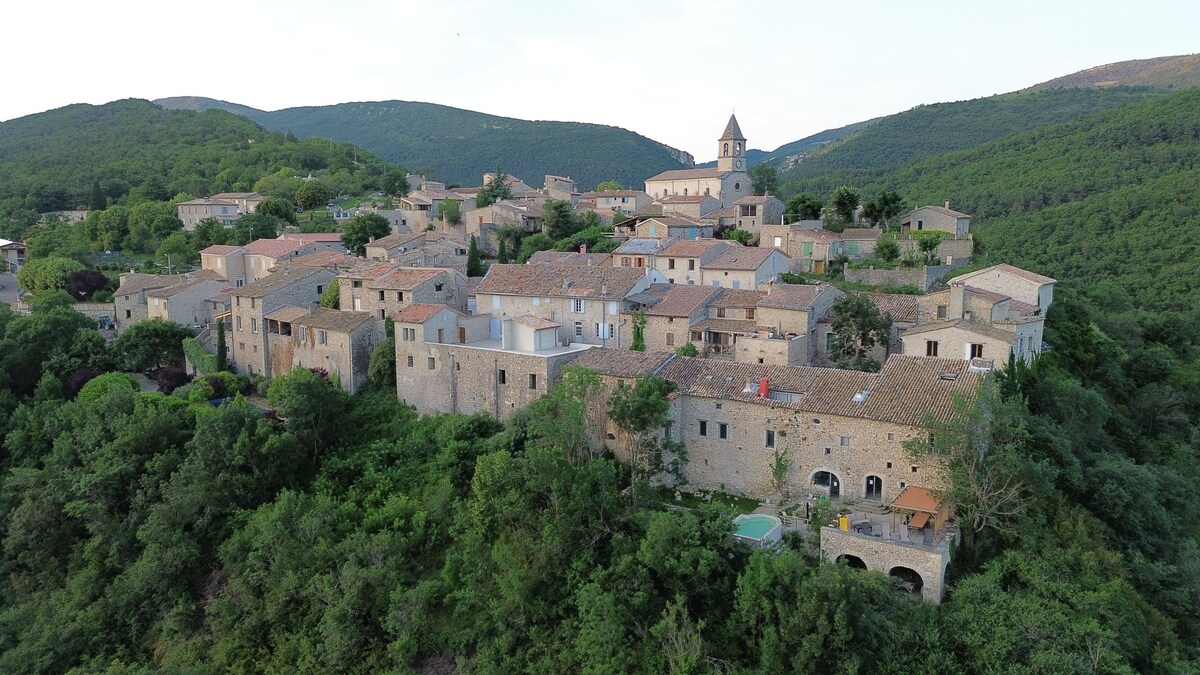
(923, 506)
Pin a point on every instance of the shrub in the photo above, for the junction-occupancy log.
(171, 378)
(102, 385)
(76, 381)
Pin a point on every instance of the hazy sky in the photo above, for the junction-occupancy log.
(668, 69)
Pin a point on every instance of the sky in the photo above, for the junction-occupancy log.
(672, 70)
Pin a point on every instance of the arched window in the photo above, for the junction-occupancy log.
(705, 192)
(737, 148)
(684, 192)
(725, 150)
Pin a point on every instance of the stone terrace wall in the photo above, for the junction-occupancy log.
(882, 556)
(922, 277)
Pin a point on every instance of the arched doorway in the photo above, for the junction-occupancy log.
(907, 580)
(830, 481)
(852, 561)
(874, 489)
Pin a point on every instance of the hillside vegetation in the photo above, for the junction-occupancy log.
(72, 157)
(931, 130)
(1171, 72)
(460, 145)
(1110, 197)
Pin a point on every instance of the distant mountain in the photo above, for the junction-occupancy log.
(856, 158)
(51, 161)
(460, 145)
(1167, 72)
(789, 153)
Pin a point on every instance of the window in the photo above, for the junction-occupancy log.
(320, 289)
(253, 325)
(722, 430)
(579, 329)
(976, 351)
(253, 303)
(625, 262)
(533, 380)
(381, 296)
(844, 441)
(770, 439)
(920, 224)
(718, 406)
(410, 361)
(720, 312)
(322, 337)
(914, 468)
(670, 263)
(241, 346)
(238, 301)
(931, 348)
(356, 284)
(438, 287)
(128, 314)
(941, 311)
(577, 306)
(778, 242)
(829, 337)
(891, 437)
(502, 376)
(750, 313)
(828, 451)
(691, 265)
(703, 427)
(670, 339)
(889, 465)
(303, 332)
(430, 363)
(736, 283)
(399, 296)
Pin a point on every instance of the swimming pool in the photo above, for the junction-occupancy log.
(757, 529)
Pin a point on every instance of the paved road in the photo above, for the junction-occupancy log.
(8, 289)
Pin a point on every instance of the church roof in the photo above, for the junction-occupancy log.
(688, 174)
(732, 131)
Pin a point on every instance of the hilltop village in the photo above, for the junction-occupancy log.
(746, 327)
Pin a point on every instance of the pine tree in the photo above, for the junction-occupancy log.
(474, 265)
(222, 357)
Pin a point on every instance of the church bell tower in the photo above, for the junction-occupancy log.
(731, 149)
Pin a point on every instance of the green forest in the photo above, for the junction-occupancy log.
(458, 146)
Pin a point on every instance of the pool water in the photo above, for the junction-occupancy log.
(755, 526)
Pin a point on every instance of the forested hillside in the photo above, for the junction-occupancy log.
(84, 156)
(931, 130)
(1170, 72)
(1111, 197)
(460, 145)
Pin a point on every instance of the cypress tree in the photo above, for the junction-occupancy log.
(222, 357)
(502, 252)
(474, 265)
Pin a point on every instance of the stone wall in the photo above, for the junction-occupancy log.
(884, 556)
(957, 249)
(922, 277)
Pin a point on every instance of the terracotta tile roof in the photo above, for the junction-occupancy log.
(237, 195)
(741, 258)
(312, 237)
(137, 283)
(674, 220)
(694, 248)
(623, 363)
(976, 327)
(281, 278)
(1005, 268)
(938, 209)
(756, 199)
(817, 235)
(334, 320)
(904, 391)
(1021, 308)
(913, 498)
(799, 297)
(682, 300)
(650, 297)
(331, 259)
(990, 296)
(903, 308)
(727, 212)
(191, 281)
(419, 313)
(562, 281)
(405, 279)
(643, 246)
(288, 314)
(682, 199)
(613, 193)
(860, 234)
(568, 258)
(393, 240)
(536, 322)
(737, 297)
(687, 174)
(220, 249)
(272, 248)
(207, 201)
(726, 325)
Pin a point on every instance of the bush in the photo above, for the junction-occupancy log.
(76, 381)
(103, 385)
(171, 378)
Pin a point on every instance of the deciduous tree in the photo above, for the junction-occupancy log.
(857, 327)
(359, 231)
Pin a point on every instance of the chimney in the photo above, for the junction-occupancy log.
(764, 388)
(583, 249)
(947, 204)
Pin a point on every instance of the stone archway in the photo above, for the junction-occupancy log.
(873, 490)
(828, 480)
(852, 561)
(908, 580)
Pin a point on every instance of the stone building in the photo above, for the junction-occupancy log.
(449, 362)
(791, 310)
(744, 267)
(683, 261)
(624, 201)
(339, 343)
(422, 249)
(130, 297)
(810, 250)
(191, 212)
(587, 302)
(185, 302)
(696, 207)
(902, 309)
(935, 219)
(669, 322)
(485, 222)
(727, 183)
(382, 288)
(754, 211)
(859, 243)
(661, 227)
(291, 286)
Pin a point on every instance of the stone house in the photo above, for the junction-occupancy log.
(228, 262)
(695, 207)
(12, 256)
(240, 265)
(669, 321)
(974, 323)
(640, 252)
(587, 302)
(185, 302)
(731, 315)
(902, 308)
(382, 289)
(562, 188)
(727, 183)
(810, 250)
(744, 267)
(294, 286)
(859, 243)
(753, 212)
(191, 212)
(339, 343)
(1018, 284)
(791, 310)
(246, 202)
(625, 201)
(449, 362)
(130, 297)
(935, 218)
(581, 257)
(485, 222)
(683, 261)
(422, 249)
(674, 226)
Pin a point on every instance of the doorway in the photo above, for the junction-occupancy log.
(874, 491)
